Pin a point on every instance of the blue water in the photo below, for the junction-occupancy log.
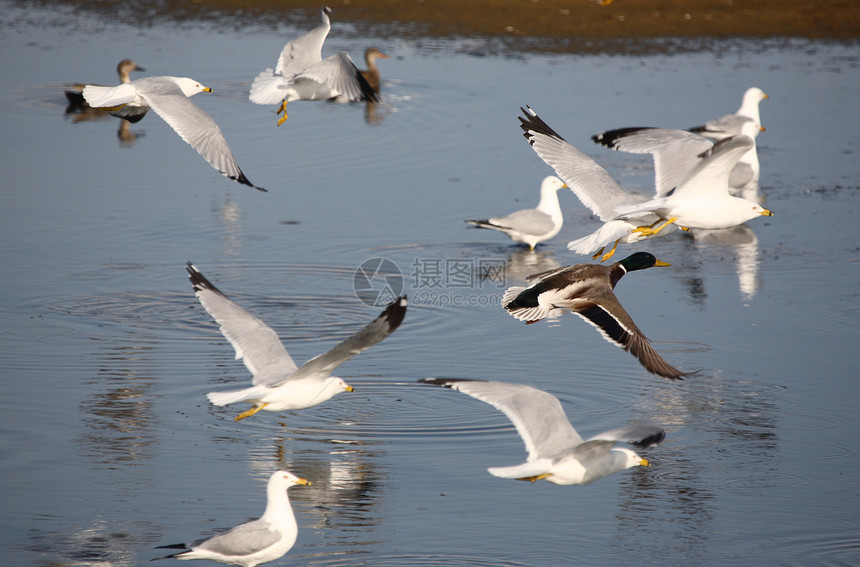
(110, 447)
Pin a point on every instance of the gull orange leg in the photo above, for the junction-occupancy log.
(535, 478)
(650, 231)
(282, 108)
(250, 412)
(609, 254)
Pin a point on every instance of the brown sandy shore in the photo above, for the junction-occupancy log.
(534, 25)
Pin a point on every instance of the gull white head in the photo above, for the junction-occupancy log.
(749, 105)
(751, 129)
(334, 386)
(549, 199)
(281, 480)
(754, 95)
(632, 459)
(190, 87)
(551, 183)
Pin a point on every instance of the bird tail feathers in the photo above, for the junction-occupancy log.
(109, 97)
(587, 244)
(524, 470)
(267, 88)
(233, 396)
(511, 293)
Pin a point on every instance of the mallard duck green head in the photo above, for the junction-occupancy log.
(640, 261)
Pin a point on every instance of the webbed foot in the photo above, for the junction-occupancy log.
(250, 412)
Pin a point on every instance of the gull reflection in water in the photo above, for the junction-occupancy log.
(523, 263)
(743, 242)
(228, 216)
(102, 543)
(717, 417)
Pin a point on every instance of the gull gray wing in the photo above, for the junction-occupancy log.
(675, 152)
(537, 415)
(324, 364)
(527, 221)
(254, 341)
(305, 50)
(242, 540)
(340, 73)
(641, 436)
(711, 174)
(728, 125)
(589, 181)
(193, 125)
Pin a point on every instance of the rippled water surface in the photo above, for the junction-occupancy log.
(110, 447)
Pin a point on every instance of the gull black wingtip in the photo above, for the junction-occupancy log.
(609, 138)
(198, 280)
(192, 270)
(444, 382)
(245, 181)
(534, 123)
(650, 441)
(395, 312)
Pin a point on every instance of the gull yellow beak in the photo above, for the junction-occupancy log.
(661, 264)
(766, 213)
(303, 482)
(349, 389)
(644, 463)
(207, 90)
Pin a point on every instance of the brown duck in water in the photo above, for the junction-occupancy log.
(371, 74)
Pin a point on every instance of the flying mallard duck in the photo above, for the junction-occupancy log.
(586, 289)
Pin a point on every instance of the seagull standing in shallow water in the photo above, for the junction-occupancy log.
(278, 384)
(252, 543)
(557, 453)
(731, 124)
(587, 290)
(532, 226)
